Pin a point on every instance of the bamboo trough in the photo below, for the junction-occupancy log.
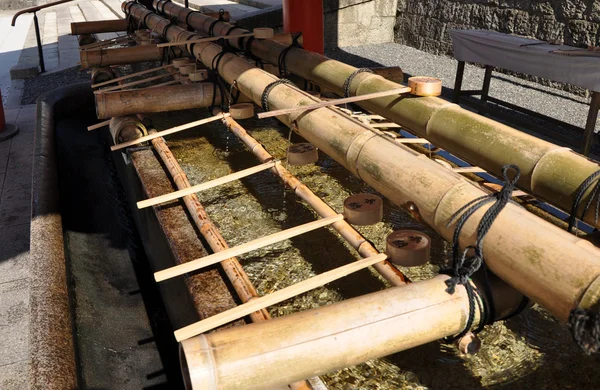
(549, 172)
(528, 255)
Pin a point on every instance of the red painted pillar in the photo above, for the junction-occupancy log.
(305, 16)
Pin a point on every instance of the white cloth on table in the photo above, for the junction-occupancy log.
(516, 53)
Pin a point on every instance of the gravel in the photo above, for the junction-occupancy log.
(552, 102)
(48, 81)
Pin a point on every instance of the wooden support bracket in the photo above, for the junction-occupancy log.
(276, 297)
(335, 102)
(244, 248)
(168, 131)
(207, 185)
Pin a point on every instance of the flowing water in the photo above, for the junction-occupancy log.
(531, 350)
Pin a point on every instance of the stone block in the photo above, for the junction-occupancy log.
(24, 71)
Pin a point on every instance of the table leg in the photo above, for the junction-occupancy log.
(590, 125)
(486, 83)
(460, 72)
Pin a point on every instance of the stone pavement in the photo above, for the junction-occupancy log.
(237, 11)
(15, 216)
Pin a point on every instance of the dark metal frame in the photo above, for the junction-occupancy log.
(482, 106)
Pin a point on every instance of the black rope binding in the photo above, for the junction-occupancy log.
(581, 190)
(211, 32)
(585, 329)
(264, 99)
(281, 63)
(348, 82)
(464, 267)
(248, 52)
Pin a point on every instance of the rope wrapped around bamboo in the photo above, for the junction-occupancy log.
(550, 172)
(549, 265)
(119, 56)
(157, 99)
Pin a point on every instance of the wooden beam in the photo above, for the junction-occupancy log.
(131, 84)
(99, 125)
(386, 125)
(129, 76)
(207, 185)
(276, 297)
(335, 102)
(244, 248)
(203, 40)
(168, 131)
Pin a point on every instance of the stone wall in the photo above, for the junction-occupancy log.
(359, 22)
(20, 4)
(424, 24)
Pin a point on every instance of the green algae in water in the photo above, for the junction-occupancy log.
(530, 351)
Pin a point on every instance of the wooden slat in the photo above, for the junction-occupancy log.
(131, 84)
(129, 76)
(99, 125)
(422, 141)
(385, 125)
(276, 297)
(205, 186)
(168, 131)
(335, 102)
(202, 40)
(206, 261)
(468, 170)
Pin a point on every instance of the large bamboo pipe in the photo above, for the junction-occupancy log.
(159, 99)
(550, 172)
(353, 237)
(273, 353)
(119, 56)
(547, 264)
(102, 26)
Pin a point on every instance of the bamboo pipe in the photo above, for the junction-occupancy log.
(101, 26)
(550, 172)
(119, 56)
(273, 353)
(233, 269)
(351, 235)
(530, 255)
(160, 99)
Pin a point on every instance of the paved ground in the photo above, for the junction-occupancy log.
(236, 9)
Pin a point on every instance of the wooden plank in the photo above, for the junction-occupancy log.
(384, 125)
(374, 117)
(276, 297)
(202, 40)
(207, 185)
(421, 141)
(131, 84)
(469, 170)
(99, 125)
(244, 248)
(335, 102)
(168, 131)
(129, 76)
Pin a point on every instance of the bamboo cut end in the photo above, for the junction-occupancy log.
(469, 344)
(179, 62)
(408, 248)
(363, 209)
(263, 33)
(199, 75)
(303, 153)
(241, 110)
(425, 86)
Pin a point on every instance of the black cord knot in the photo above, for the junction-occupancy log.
(581, 190)
(281, 60)
(585, 329)
(463, 269)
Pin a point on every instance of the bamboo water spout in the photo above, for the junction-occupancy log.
(119, 56)
(551, 266)
(550, 172)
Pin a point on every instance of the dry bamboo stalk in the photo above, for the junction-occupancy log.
(334, 102)
(234, 271)
(133, 83)
(102, 26)
(276, 297)
(131, 76)
(202, 40)
(514, 251)
(172, 130)
(271, 354)
(99, 125)
(549, 172)
(207, 185)
(353, 237)
(250, 246)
